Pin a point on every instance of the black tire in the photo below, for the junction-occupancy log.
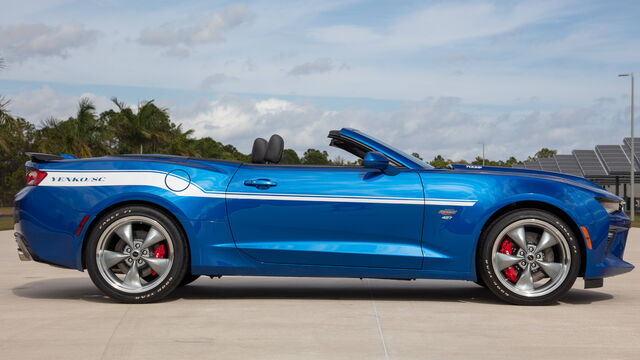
(174, 274)
(499, 286)
(188, 279)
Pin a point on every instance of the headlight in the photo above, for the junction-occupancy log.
(611, 205)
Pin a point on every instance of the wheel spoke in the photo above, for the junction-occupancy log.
(503, 261)
(525, 283)
(112, 258)
(158, 265)
(153, 237)
(546, 241)
(518, 236)
(132, 279)
(126, 234)
(551, 269)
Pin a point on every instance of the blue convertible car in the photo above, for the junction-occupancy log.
(142, 225)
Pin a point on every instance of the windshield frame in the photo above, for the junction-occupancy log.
(393, 153)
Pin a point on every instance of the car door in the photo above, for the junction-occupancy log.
(340, 216)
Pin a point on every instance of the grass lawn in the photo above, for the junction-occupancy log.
(6, 223)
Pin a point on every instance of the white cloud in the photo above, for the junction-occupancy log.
(209, 30)
(442, 125)
(43, 103)
(317, 66)
(430, 127)
(441, 24)
(23, 41)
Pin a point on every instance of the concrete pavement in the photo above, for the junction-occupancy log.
(51, 313)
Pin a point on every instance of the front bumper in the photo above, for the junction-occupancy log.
(607, 255)
(23, 249)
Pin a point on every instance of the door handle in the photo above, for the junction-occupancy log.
(260, 183)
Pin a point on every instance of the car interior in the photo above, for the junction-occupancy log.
(270, 152)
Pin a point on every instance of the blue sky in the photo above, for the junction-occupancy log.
(436, 77)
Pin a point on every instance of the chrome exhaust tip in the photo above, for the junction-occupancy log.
(23, 250)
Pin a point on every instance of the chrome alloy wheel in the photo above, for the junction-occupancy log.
(134, 254)
(531, 258)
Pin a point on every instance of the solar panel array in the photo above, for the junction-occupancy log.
(607, 164)
(549, 164)
(568, 165)
(532, 164)
(627, 149)
(589, 163)
(614, 159)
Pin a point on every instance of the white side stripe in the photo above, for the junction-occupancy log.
(158, 179)
(325, 199)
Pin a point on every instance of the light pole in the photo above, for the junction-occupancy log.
(633, 156)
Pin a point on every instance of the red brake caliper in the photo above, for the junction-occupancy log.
(507, 248)
(160, 252)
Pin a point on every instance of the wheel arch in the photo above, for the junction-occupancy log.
(538, 205)
(153, 205)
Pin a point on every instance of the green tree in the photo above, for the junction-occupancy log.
(439, 162)
(17, 137)
(208, 148)
(315, 157)
(4, 136)
(180, 142)
(81, 136)
(290, 156)
(545, 153)
(415, 154)
(146, 130)
(512, 161)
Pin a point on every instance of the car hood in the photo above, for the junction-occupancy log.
(547, 175)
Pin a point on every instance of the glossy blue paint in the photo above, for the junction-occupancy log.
(305, 231)
(249, 219)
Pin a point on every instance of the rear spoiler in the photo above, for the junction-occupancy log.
(40, 157)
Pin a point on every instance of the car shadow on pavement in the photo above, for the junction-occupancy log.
(380, 290)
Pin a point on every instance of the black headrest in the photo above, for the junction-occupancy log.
(258, 151)
(274, 150)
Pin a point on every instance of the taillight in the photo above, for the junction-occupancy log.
(34, 177)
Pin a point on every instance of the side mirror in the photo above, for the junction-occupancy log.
(375, 160)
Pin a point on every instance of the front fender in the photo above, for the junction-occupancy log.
(450, 242)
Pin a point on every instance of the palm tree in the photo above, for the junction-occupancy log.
(181, 142)
(81, 136)
(3, 117)
(147, 129)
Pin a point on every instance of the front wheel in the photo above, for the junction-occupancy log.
(529, 257)
(136, 254)
(188, 279)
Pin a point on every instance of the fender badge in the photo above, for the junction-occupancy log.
(447, 212)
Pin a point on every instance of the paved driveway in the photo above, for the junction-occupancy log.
(48, 313)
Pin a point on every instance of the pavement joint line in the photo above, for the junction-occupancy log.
(375, 311)
(106, 346)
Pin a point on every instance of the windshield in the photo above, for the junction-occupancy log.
(400, 152)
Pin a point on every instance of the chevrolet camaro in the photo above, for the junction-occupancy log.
(143, 225)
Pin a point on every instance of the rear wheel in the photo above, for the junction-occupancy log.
(136, 254)
(529, 257)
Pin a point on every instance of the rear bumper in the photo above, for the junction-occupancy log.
(46, 234)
